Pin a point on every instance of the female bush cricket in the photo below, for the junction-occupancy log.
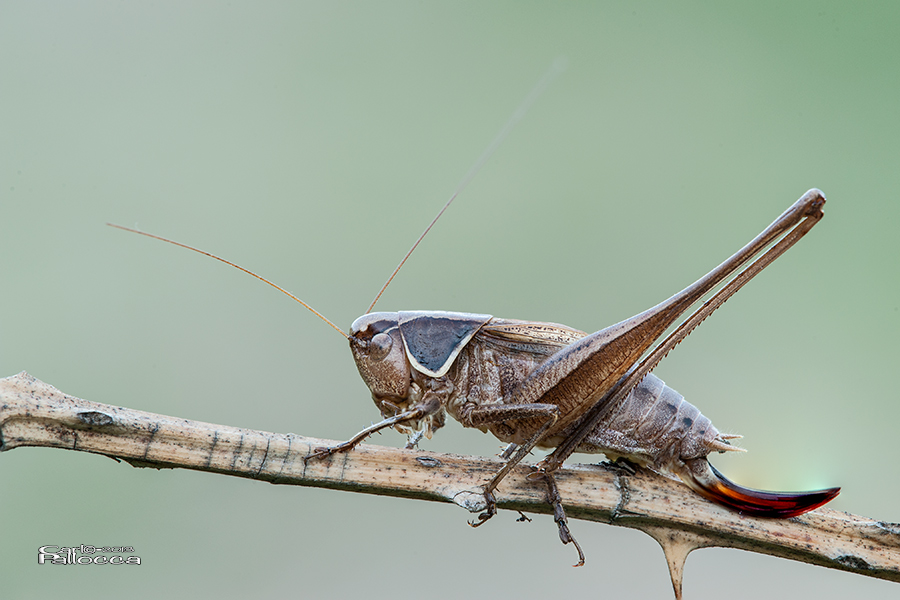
(547, 385)
(534, 384)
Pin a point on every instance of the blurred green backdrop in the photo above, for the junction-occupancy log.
(312, 143)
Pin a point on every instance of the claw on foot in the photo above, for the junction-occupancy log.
(320, 452)
(559, 516)
(325, 451)
(489, 512)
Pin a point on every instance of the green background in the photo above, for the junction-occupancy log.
(312, 143)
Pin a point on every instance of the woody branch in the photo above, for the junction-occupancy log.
(33, 413)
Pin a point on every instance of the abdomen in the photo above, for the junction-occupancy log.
(656, 427)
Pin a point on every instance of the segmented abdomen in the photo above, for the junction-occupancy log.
(656, 427)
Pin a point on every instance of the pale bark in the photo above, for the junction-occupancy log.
(33, 413)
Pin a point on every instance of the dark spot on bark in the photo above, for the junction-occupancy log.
(853, 561)
(427, 461)
(95, 419)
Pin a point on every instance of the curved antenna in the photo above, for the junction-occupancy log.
(228, 262)
(558, 66)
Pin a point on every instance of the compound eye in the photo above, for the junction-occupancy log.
(380, 346)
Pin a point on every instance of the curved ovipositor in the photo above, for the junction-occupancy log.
(706, 480)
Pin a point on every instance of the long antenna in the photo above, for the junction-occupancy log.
(228, 262)
(558, 66)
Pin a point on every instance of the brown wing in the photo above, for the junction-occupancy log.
(532, 337)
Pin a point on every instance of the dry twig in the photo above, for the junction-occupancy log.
(33, 413)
